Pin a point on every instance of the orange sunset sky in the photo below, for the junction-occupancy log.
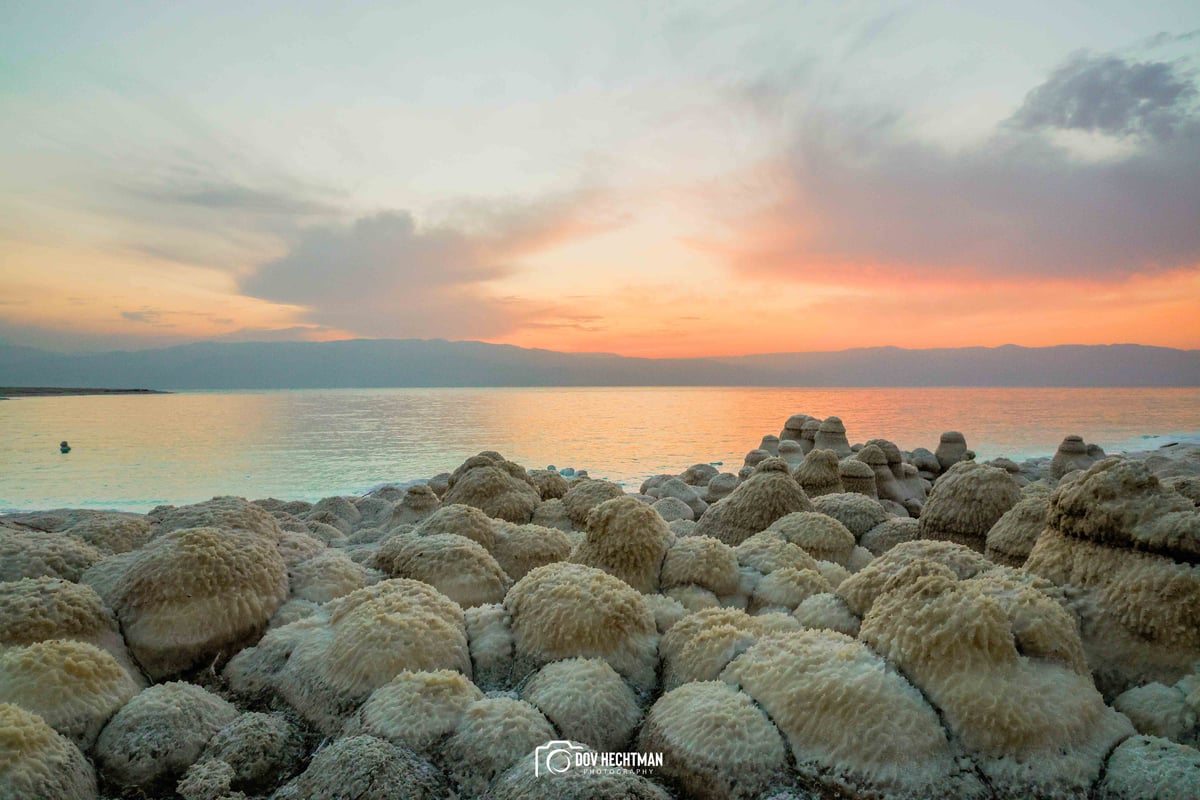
(640, 178)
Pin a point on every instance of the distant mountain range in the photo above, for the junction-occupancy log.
(366, 363)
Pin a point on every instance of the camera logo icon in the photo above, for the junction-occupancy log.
(555, 758)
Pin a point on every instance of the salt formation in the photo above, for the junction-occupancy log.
(416, 709)
(702, 562)
(586, 495)
(1041, 728)
(831, 435)
(456, 566)
(966, 502)
(1127, 548)
(492, 735)
(1071, 455)
(158, 734)
(857, 477)
(75, 687)
(951, 449)
(1013, 536)
(37, 762)
(173, 599)
(818, 474)
(818, 534)
(767, 495)
(499, 488)
(793, 427)
(587, 701)
(40, 609)
(567, 610)
(366, 768)
(1004, 635)
(715, 742)
(829, 694)
(856, 512)
(414, 506)
(628, 539)
(34, 554)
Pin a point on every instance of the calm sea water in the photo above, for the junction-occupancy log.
(135, 452)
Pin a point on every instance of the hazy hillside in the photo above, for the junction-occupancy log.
(412, 362)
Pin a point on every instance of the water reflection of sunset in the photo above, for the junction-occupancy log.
(139, 451)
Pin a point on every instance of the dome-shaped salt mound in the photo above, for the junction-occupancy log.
(366, 768)
(628, 539)
(462, 520)
(1158, 710)
(173, 599)
(261, 750)
(1040, 727)
(831, 435)
(701, 561)
(966, 502)
(327, 575)
(226, 513)
(75, 687)
(492, 735)
(35, 554)
(1127, 548)
(715, 742)
(904, 563)
(1072, 454)
(1150, 768)
(587, 701)
(392, 626)
(700, 645)
(857, 477)
(454, 565)
(817, 534)
(520, 548)
(951, 449)
(499, 488)
(586, 495)
(158, 734)
(889, 533)
(37, 762)
(550, 484)
(325, 665)
(1011, 539)
(417, 709)
(818, 474)
(768, 551)
(414, 506)
(793, 427)
(764, 497)
(566, 610)
(829, 695)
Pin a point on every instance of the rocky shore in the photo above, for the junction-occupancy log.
(832, 620)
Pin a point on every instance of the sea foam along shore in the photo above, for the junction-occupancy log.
(828, 621)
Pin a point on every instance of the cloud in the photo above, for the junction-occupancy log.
(1107, 94)
(857, 198)
(149, 316)
(386, 276)
(229, 195)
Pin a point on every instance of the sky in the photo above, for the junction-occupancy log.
(644, 178)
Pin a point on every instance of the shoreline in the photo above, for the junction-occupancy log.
(8, 392)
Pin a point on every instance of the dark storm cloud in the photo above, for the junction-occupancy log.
(1107, 94)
